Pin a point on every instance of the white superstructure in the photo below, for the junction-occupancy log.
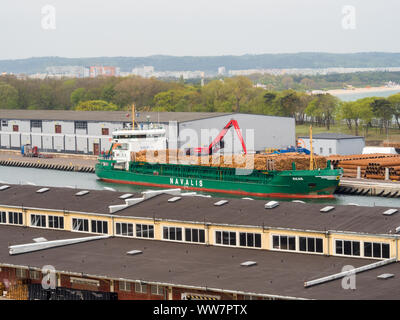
(127, 141)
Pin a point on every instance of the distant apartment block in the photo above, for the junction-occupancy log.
(145, 71)
(221, 71)
(67, 71)
(95, 71)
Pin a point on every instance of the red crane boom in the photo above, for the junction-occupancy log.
(217, 141)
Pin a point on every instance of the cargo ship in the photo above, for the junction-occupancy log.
(117, 166)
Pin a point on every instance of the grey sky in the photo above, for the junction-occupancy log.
(89, 28)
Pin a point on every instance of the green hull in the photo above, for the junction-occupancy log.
(319, 183)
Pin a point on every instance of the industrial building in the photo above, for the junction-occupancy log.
(327, 144)
(168, 244)
(90, 132)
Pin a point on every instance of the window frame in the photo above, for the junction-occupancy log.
(83, 223)
(247, 234)
(119, 225)
(372, 243)
(175, 232)
(99, 224)
(272, 247)
(230, 233)
(307, 245)
(3, 216)
(54, 218)
(141, 286)
(12, 218)
(39, 218)
(150, 230)
(123, 286)
(192, 231)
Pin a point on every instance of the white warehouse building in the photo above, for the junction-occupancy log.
(326, 144)
(90, 132)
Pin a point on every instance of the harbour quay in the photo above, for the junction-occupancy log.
(171, 244)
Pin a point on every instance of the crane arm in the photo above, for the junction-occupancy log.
(223, 132)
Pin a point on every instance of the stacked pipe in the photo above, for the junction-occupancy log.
(391, 144)
(372, 166)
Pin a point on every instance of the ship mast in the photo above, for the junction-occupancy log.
(133, 116)
(311, 151)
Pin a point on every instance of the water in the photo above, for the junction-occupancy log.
(54, 178)
(356, 96)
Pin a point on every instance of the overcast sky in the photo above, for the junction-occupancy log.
(92, 28)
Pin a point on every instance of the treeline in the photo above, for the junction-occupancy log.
(66, 94)
(326, 82)
(211, 63)
(237, 94)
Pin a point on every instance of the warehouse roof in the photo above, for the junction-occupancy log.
(113, 116)
(96, 201)
(201, 209)
(276, 273)
(292, 215)
(332, 136)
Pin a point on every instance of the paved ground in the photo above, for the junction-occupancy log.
(59, 159)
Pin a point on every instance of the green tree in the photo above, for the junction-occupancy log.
(384, 111)
(77, 96)
(359, 112)
(238, 89)
(96, 105)
(8, 96)
(395, 102)
(323, 108)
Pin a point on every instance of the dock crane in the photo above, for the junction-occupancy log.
(218, 142)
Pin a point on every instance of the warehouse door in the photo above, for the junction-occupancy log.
(96, 149)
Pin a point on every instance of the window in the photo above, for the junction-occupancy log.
(140, 288)
(310, 244)
(34, 275)
(4, 123)
(36, 123)
(157, 290)
(99, 226)
(15, 218)
(104, 131)
(321, 150)
(56, 222)
(124, 286)
(15, 128)
(376, 250)
(3, 217)
(347, 247)
(124, 229)
(195, 235)
(81, 125)
(225, 237)
(21, 273)
(38, 220)
(57, 128)
(250, 239)
(145, 231)
(80, 225)
(283, 242)
(172, 233)
(330, 150)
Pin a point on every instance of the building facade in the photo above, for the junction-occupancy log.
(327, 144)
(90, 132)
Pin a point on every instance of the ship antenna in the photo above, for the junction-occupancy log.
(311, 151)
(133, 116)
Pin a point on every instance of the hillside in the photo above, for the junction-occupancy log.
(211, 63)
